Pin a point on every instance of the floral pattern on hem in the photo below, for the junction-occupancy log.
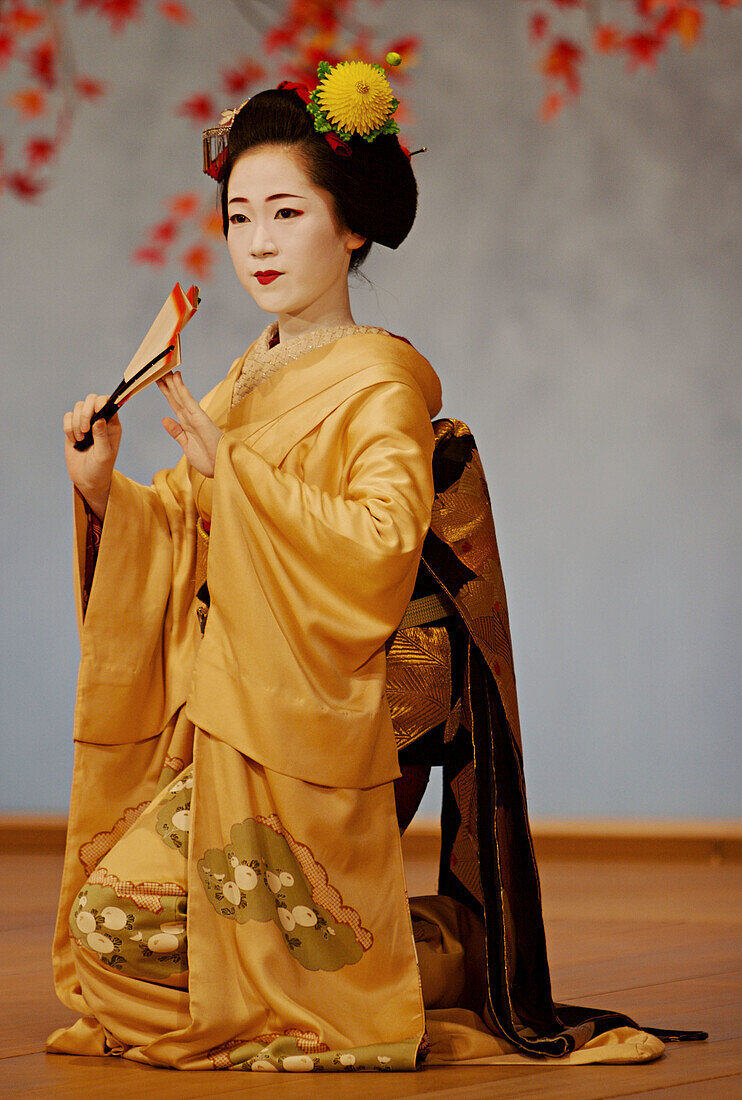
(129, 937)
(285, 1054)
(174, 816)
(266, 875)
(92, 851)
(171, 767)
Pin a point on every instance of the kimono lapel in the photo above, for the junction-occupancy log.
(290, 404)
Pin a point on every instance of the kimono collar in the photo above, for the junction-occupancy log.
(265, 356)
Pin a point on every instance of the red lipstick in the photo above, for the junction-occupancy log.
(265, 277)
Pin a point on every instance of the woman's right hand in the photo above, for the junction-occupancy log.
(91, 470)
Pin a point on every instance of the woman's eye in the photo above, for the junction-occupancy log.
(237, 219)
(286, 212)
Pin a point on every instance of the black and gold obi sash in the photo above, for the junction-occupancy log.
(451, 691)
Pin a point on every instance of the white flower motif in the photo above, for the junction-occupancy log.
(273, 881)
(100, 943)
(182, 820)
(298, 1063)
(175, 927)
(245, 877)
(232, 893)
(113, 918)
(162, 942)
(233, 861)
(286, 919)
(383, 1059)
(304, 916)
(347, 1059)
(261, 1064)
(85, 922)
(287, 879)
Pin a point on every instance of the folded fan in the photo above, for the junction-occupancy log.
(156, 356)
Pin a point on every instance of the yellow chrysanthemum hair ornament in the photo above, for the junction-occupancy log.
(354, 97)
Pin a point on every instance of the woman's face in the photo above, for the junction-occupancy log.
(286, 246)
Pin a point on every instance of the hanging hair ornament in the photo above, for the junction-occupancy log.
(354, 97)
(216, 139)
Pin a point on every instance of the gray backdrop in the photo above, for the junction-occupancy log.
(577, 288)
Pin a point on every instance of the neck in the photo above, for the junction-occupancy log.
(325, 315)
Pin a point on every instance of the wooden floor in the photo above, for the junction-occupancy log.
(658, 940)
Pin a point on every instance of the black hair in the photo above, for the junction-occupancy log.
(373, 189)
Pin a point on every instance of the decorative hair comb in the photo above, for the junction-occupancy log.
(216, 139)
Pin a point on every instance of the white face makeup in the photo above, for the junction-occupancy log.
(286, 246)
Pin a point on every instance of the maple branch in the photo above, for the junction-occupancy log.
(245, 8)
(594, 12)
(67, 72)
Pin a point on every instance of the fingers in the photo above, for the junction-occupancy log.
(78, 421)
(67, 427)
(173, 428)
(179, 397)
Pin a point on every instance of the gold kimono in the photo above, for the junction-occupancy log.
(233, 892)
(269, 738)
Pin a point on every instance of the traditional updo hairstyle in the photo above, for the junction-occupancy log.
(373, 189)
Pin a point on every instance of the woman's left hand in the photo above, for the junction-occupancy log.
(196, 432)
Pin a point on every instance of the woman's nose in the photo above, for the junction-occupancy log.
(262, 243)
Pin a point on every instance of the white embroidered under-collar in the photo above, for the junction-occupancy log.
(265, 360)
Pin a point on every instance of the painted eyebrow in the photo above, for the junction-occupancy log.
(270, 198)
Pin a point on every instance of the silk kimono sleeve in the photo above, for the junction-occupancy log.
(137, 634)
(136, 638)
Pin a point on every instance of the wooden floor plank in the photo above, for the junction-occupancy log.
(717, 1088)
(598, 890)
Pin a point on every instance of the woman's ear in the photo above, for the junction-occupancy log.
(354, 241)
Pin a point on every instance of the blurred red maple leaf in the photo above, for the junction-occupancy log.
(149, 255)
(23, 185)
(29, 102)
(607, 38)
(42, 62)
(561, 62)
(280, 38)
(198, 260)
(244, 73)
(551, 105)
(642, 49)
(39, 151)
(185, 205)
(211, 224)
(7, 48)
(687, 24)
(199, 108)
(538, 25)
(176, 12)
(119, 12)
(22, 19)
(88, 87)
(164, 232)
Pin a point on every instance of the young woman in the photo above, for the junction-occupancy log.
(233, 893)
